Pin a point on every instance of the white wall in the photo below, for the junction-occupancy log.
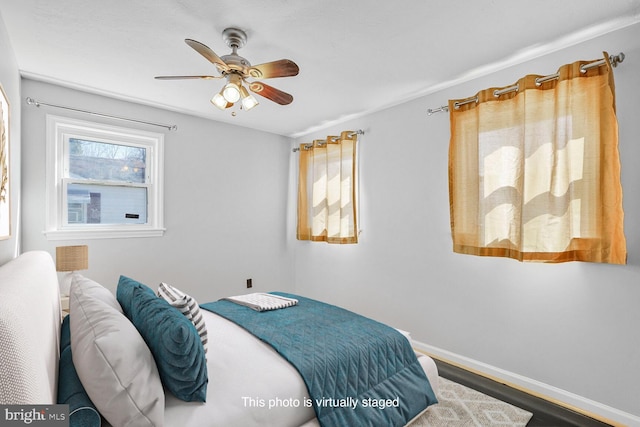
(225, 201)
(571, 326)
(10, 81)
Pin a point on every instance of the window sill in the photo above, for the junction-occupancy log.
(105, 233)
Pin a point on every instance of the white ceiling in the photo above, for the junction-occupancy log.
(355, 56)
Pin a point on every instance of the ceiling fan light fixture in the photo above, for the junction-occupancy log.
(248, 100)
(219, 101)
(231, 91)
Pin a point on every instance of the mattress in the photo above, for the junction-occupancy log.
(241, 392)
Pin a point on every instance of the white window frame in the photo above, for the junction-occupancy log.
(59, 130)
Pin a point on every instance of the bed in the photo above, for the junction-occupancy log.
(248, 382)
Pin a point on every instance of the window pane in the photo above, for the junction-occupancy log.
(106, 162)
(106, 204)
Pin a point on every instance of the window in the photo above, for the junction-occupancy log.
(102, 181)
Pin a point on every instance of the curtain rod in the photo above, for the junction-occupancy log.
(350, 134)
(613, 59)
(32, 101)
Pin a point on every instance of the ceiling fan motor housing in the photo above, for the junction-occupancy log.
(235, 39)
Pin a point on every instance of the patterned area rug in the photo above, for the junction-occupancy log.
(461, 406)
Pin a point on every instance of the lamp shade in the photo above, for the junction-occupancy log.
(231, 90)
(248, 100)
(219, 101)
(72, 258)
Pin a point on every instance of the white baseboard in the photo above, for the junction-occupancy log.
(561, 397)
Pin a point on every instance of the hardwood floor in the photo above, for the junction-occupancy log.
(545, 414)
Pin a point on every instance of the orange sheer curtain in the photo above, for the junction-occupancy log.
(327, 190)
(534, 173)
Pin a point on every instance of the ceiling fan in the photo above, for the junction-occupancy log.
(236, 70)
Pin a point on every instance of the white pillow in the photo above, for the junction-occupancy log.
(188, 306)
(96, 290)
(112, 360)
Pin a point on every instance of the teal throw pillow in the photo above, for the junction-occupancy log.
(171, 337)
(124, 293)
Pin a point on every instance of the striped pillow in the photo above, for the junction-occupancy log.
(187, 306)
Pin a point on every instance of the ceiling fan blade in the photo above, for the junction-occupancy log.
(206, 51)
(276, 95)
(268, 70)
(187, 77)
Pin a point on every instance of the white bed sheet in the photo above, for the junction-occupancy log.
(241, 392)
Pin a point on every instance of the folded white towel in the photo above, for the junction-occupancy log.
(263, 302)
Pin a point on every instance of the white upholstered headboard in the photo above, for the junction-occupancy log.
(29, 329)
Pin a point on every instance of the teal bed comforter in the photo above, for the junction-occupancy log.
(358, 372)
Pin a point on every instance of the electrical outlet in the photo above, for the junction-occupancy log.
(249, 283)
